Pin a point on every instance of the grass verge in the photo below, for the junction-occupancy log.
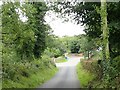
(84, 76)
(34, 81)
(60, 60)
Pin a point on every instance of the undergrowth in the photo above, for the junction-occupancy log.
(60, 60)
(33, 81)
(100, 79)
(84, 76)
(27, 74)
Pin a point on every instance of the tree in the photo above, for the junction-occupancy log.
(87, 46)
(40, 28)
(88, 13)
(105, 30)
(55, 46)
(102, 21)
(67, 41)
(23, 42)
(26, 38)
(74, 46)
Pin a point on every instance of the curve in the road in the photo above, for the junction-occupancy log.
(66, 76)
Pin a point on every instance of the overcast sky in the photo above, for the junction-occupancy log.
(61, 28)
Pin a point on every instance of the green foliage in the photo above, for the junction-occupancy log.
(91, 14)
(67, 41)
(115, 63)
(60, 59)
(88, 13)
(88, 77)
(109, 78)
(53, 52)
(74, 47)
(37, 76)
(111, 73)
(94, 67)
(22, 35)
(40, 28)
(71, 44)
(55, 46)
(24, 42)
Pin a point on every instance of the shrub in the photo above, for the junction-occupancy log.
(93, 67)
(88, 77)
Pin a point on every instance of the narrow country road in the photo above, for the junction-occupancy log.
(66, 76)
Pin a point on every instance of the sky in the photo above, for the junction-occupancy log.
(61, 28)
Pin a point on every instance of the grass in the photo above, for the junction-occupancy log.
(84, 76)
(34, 81)
(90, 73)
(60, 60)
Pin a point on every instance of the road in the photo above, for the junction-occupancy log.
(66, 76)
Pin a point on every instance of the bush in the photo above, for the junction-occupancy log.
(54, 52)
(103, 79)
(28, 75)
(93, 67)
(60, 59)
(88, 77)
(116, 63)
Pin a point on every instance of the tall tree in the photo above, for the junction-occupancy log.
(40, 32)
(105, 30)
(88, 13)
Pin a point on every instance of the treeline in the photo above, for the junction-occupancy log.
(82, 44)
(27, 45)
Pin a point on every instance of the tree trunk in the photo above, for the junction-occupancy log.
(105, 30)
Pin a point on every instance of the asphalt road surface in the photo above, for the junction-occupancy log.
(66, 77)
